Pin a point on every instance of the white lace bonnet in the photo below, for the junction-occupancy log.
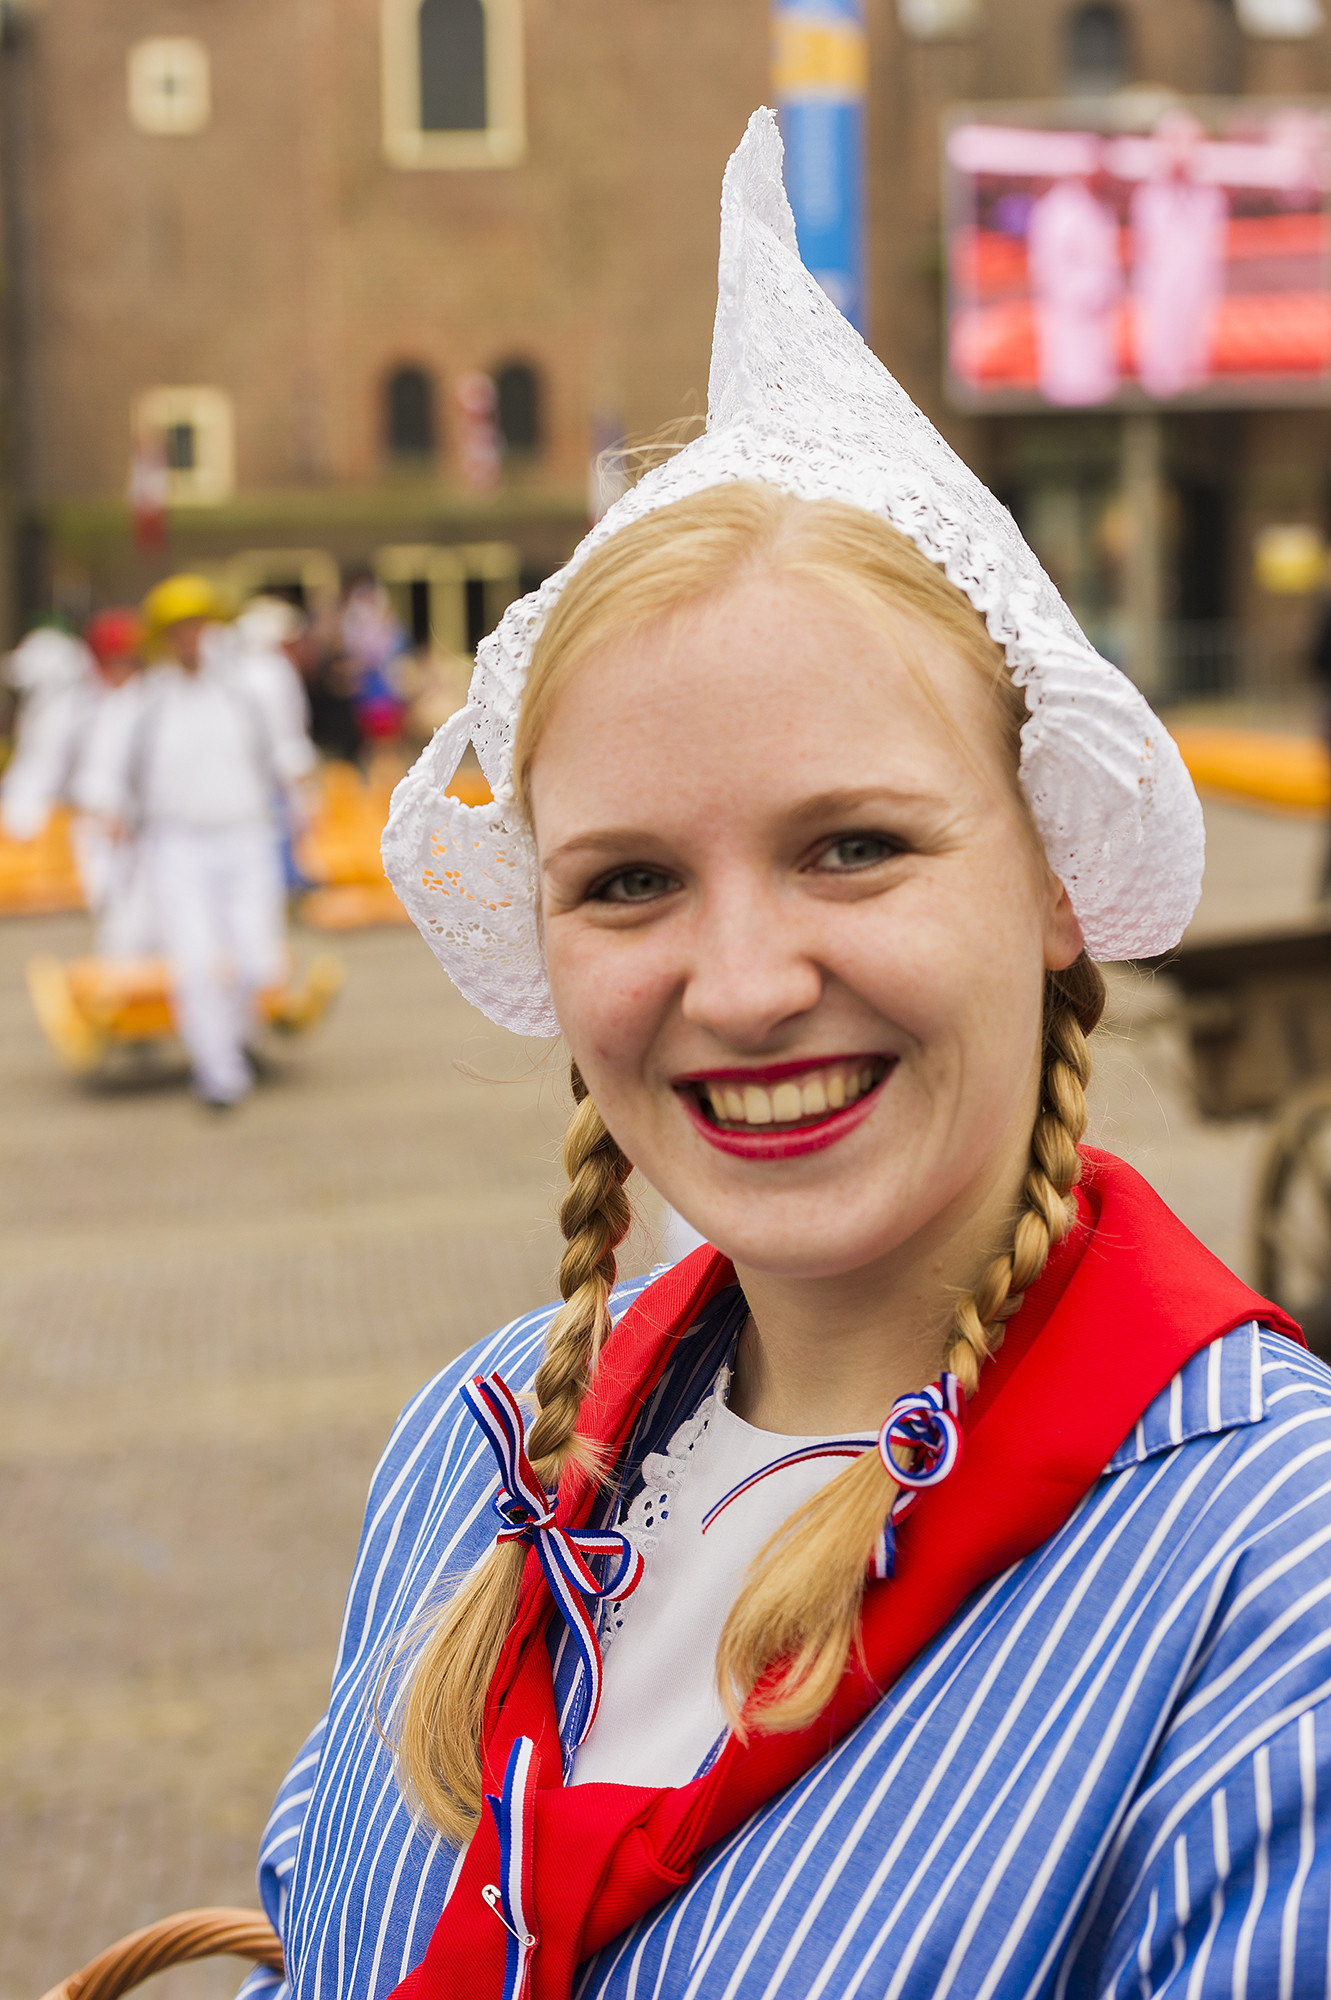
(797, 400)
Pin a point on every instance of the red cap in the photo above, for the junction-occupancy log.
(114, 633)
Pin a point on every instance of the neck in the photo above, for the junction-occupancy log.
(828, 1354)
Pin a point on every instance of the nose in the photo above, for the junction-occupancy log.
(749, 972)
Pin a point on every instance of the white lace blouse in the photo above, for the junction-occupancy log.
(712, 1499)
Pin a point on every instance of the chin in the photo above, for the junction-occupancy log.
(791, 1242)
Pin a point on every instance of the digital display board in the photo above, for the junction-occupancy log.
(1188, 263)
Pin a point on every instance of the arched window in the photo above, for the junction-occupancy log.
(1097, 49)
(518, 407)
(452, 82)
(452, 65)
(409, 422)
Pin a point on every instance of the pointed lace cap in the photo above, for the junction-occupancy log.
(798, 401)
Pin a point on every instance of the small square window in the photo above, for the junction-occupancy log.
(181, 452)
(170, 92)
(192, 432)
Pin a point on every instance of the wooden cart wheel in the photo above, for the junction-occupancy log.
(173, 1941)
(1293, 1214)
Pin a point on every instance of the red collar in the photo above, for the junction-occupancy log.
(1125, 1301)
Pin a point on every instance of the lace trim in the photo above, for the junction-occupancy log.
(665, 1473)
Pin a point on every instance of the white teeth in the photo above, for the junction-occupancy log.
(807, 1097)
(787, 1104)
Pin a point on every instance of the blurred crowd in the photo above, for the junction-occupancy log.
(182, 741)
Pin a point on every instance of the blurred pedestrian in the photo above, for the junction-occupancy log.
(263, 640)
(195, 768)
(109, 861)
(54, 676)
(72, 689)
(375, 641)
(321, 659)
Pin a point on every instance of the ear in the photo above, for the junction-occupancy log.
(1063, 940)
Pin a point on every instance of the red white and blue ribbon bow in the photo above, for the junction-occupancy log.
(527, 1514)
(926, 1423)
(512, 1898)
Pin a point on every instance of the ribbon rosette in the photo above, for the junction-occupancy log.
(527, 1514)
(926, 1423)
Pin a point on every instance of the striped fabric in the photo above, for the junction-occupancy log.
(1110, 1775)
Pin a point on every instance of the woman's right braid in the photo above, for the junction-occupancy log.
(1074, 1002)
(595, 1217)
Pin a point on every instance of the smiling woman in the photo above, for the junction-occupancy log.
(919, 1589)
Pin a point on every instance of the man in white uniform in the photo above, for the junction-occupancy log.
(55, 678)
(204, 764)
(71, 691)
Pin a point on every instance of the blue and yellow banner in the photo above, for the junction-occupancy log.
(820, 76)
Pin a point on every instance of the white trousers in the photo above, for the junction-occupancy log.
(221, 919)
(114, 877)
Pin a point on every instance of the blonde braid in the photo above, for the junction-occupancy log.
(1047, 1210)
(436, 1736)
(594, 1217)
(801, 1603)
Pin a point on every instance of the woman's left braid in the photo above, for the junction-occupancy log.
(595, 1217)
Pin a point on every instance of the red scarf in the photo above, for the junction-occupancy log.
(1124, 1302)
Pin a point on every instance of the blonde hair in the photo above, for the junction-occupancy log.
(794, 1624)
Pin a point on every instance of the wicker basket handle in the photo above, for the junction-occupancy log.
(173, 1941)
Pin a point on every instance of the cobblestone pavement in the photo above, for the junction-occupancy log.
(206, 1328)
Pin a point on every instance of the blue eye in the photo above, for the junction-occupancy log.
(856, 850)
(633, 885)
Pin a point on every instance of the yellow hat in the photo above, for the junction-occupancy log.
(177, 598)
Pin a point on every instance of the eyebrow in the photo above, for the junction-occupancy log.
(822, 806)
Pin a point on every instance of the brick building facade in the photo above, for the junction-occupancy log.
(278, 235)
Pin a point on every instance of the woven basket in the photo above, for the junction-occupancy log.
(173, 1941)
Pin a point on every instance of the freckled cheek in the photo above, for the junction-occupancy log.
(610, 1013)
(923, 980)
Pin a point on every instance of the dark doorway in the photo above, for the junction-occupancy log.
(478, 623)
(409, 414)
(1203, 567)
(419, 611)
(518, 407)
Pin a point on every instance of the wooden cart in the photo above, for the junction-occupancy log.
(1257, 1012)
(94, 1011)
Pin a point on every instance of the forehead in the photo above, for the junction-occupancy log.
(780, 684)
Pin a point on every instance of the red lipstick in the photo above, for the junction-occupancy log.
(780, 1141)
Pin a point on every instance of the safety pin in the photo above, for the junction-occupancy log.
(490, 1894)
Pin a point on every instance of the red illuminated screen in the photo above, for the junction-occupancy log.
(1188, 262)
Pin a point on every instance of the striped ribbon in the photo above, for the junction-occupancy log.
(844, 1448)
(527, 1514)
(926, 1423)
(512, 1898)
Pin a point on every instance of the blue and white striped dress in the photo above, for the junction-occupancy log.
(1109, 1775)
